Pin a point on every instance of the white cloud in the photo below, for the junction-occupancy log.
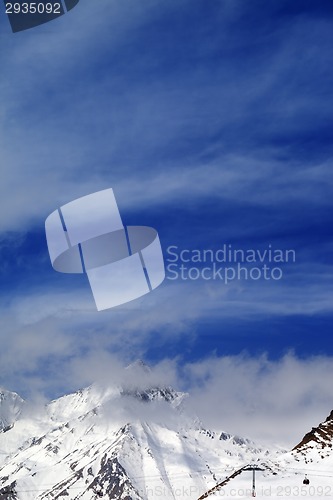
(72, 347)
(42, 323)
(270, 401)
(274, 401)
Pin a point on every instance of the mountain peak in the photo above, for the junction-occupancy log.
(10, 408)
(140, 366)
(319, 438)
(330, 417)
(115, 444)
(124, 442)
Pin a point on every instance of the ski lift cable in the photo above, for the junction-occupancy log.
(227, 469)
(181, 475)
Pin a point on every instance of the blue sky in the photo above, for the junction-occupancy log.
(212, 121)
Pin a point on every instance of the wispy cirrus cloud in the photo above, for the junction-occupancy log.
(87, 112)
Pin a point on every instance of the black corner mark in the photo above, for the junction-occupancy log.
(26, 14)
(70, 4)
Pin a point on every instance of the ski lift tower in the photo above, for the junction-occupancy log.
(253, 468)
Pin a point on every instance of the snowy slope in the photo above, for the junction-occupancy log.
(283, 476)
(10, 408)
(318, 442)
(125, 443)
(132, 442)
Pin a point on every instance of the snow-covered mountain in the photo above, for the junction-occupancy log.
(129, 443)
(305, 471)
(10, 408)
(135, 442)
(318, 442)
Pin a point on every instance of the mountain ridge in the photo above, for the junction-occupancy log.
(119, 442)
(319, 439)
(130, 442)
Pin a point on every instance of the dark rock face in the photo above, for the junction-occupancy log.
(112, 481)
(320, 437)
(8, 492)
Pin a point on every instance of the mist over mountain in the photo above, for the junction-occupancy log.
(133, 441)
(122, 441)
